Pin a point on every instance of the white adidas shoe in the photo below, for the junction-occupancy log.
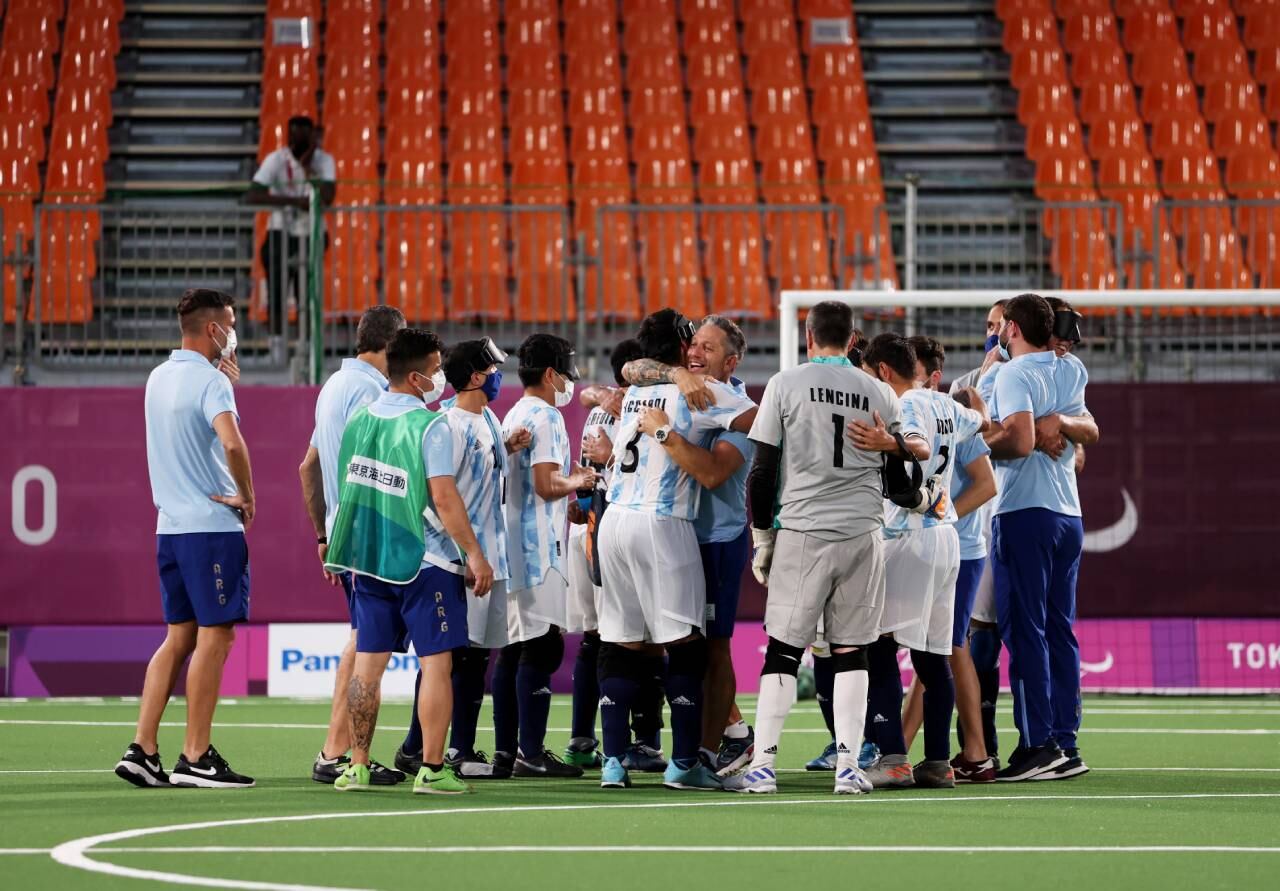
(850, 780)
(759, 780)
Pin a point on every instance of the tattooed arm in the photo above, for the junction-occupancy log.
(650, 372)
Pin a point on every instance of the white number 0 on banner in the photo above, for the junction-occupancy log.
(35, 473)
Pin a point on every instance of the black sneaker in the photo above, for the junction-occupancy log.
(545, 764)
(211, 771)
(381, 775)
(1024, 764)
(409, 764)
(327, 770)
(137, 767)
(471, 765)
(1074, 766)
(504, 764)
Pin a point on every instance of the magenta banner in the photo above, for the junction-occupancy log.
(1179, 500)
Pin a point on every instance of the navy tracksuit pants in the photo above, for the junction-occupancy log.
(1036, 560)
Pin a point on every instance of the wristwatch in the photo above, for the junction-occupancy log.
(662, 433)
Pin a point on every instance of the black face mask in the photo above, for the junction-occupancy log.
(299, 148)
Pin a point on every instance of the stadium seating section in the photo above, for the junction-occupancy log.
(544, 124)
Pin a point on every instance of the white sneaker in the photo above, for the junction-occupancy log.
(850, 780)
(759, 780)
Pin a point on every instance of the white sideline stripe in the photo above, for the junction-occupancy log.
(25, 850)
(1100, 770)
(74, 853)
(1259, 712)
(705, 849)
(222, 725)
(62, 770)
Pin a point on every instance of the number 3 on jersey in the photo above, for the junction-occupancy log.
(633, 455)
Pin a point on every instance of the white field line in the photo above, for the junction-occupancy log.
(106, 770)
(702, 849)
(75, 853)
(1194, 731)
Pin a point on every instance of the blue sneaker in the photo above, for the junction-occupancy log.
(868, 755)
(825, 761)
(757, 780)
(699, 778)
(735, 754)
(645, 759)
(614, 776)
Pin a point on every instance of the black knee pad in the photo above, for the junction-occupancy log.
(470, 660)
(687, 658)
(617, 661)
(589, 648)
(931, 668)
(544, 653)
(882, 657)
(781, 658)
(856, 660)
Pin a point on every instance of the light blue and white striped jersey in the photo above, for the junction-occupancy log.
(944, 424)
(185, 460)
(975, 527)
(350, 388)
(598, 421)
(1042, 384)
(469, 447)
(645, 479)
(536, 527)
(722, 512)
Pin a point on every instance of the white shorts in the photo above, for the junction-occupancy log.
(487, 618)
(532, 612)
(920, 570)
(581, 608)
(654, 589)
(984, 605)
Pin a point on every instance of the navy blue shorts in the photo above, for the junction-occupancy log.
(349, 588)
(430, 612)
(723, 563)
(966, 594)
(204, 576)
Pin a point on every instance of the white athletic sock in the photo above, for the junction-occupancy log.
(849, 707)
(777, 695)
(736, 730)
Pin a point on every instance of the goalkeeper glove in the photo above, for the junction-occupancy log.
(933, 497)
(763, 539)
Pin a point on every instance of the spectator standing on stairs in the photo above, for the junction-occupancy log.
(283, 182)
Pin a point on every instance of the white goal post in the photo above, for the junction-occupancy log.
(792, 302)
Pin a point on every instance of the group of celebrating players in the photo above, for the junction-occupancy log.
(873, 501)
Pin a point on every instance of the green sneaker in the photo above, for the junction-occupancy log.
(439, 782)
(582, 752)
(354, 779)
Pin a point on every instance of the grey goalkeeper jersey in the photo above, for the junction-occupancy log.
(827, 488)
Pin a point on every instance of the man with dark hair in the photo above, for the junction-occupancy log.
(410, 584)
(540, 482)
(995, 321)
(467, 443)
(202, 486)
(655, 591)
(283, 182)
(816, 513)
(357, 383)
(1038, 538)
(931, 355)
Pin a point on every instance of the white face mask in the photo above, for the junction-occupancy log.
(230, 346)
(564, 397)
(437, 388)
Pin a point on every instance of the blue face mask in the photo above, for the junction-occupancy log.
(991, 343)
(492, 385)
(1004, 351)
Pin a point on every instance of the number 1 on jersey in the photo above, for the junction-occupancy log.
(837, 456)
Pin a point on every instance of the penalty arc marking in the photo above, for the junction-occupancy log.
(75, 853)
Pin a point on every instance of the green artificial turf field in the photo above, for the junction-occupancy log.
(1184, 793)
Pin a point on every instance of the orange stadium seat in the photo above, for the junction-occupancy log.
(669, 262)
(1088, 28)
(717, 101)
(833, 65)
(1175, 132)
(21, 135)
(595, 105)
(839, 102)
(1146, 25)
(1046, 135)
(1225, 96)
(477, 265)
(538, 246)
(1103, 98)
(1115, 132)
(1266, 66)
(81, 135)
(1165, 99)
(599, 68)
(22, 97)
(720, 135)
(536, 139)
(1042, 99)
(534, 104)
(413, 179)
(1240, 130)
(1035, 64)
(414, 252)
(1262, 28)
(655, 31)
(1160, 62)
(714, 69)
(727, 178)
(790, 179)
(769, 32)
(474, 105)
(420, 70)
(1219, 62)
(656, 104)
(412, 103)
(664, 180)
(89, 64)
(734, 263)
(798, 255)
(784, 140)
(1209, 25)
(351, 263)
(1031, 29)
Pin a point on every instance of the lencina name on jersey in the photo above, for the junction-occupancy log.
(840, 398)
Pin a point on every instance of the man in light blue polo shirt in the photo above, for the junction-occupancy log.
(202, 487)
(1037, 539)
(357, 383)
